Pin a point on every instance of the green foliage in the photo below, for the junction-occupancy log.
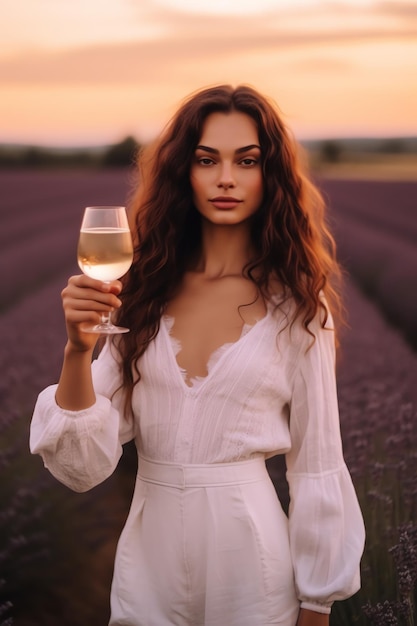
(35, 157)
(395, 145)
(122, 154)
(331, 151)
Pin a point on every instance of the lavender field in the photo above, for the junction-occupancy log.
(376, 229)
(57, 547)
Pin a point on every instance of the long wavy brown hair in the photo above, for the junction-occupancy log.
(290, 236)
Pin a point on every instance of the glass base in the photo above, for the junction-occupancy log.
(106, 329)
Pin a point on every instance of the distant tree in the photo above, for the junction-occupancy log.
(9, 158)
(35, 157)
(393, 146)
(121, 154)
(330, 151)
(38, 157)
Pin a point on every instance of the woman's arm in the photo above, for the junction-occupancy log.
(312, 618)
(325, 522)
(79, 426)
(83, 300)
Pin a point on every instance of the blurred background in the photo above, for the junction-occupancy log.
(83, 84)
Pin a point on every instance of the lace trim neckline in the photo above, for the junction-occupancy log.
(193, 382)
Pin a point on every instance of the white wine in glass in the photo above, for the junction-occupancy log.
(105, 252)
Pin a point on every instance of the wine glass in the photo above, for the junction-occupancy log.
(105, 252)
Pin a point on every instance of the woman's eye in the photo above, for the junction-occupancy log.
(248, 162)
(205, 161)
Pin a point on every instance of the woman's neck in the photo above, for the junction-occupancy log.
(225, 250)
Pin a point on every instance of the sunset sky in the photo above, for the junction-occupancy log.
(89, 72)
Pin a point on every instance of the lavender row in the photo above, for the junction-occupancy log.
(376, 229)
(52, 550)
(41, 214)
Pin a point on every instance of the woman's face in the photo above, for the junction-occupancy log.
(226, 172)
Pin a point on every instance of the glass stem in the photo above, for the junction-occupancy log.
(106, 318)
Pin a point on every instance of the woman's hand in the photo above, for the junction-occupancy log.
(312, 618)
(83, 300)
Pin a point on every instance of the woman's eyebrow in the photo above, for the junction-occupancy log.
(238, 151)
(207, 149)
(248, 148)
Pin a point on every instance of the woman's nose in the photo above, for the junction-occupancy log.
(226, 179)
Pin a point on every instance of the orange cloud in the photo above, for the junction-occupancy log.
(331, 66)
(155, 60)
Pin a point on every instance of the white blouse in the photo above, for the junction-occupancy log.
(271, 392)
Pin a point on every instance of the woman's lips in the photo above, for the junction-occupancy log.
(225, 202)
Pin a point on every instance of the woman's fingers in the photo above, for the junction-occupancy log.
(81, 282)
(84, 300)
(83, 293)
(84, 282)
(93, 301)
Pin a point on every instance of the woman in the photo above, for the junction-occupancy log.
(230, 360)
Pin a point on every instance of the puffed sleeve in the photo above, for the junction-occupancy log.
(83, 448)
(325, 522)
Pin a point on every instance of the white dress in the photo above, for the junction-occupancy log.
(206, 542)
